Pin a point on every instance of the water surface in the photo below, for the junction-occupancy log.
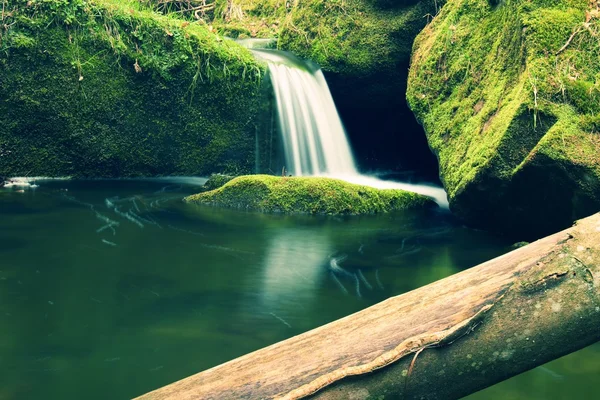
(109, 289)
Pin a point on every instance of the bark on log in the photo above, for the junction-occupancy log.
(442, 341)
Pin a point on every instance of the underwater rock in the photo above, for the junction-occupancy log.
(106, 89)
(509, 98)
(308, 195)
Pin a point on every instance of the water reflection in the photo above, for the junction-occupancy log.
(292, 272)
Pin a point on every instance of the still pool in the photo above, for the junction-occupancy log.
(109, 289)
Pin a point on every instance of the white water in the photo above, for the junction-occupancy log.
(313, 136)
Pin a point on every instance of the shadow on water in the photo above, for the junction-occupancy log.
(113, 288)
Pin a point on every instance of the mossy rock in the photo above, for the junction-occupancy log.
(109, 88)
(215, 181)
(509, 98)
(351, 37)
(308, 195)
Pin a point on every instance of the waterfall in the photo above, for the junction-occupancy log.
(314, 138)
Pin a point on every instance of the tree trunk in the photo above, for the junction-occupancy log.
(441, 341)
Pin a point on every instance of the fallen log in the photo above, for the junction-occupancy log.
(441, 341)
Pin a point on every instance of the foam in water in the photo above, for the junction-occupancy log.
(313, 136)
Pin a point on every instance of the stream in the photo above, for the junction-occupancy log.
(112, 288)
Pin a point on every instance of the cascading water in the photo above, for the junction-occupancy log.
(313, 136)
(314, 139)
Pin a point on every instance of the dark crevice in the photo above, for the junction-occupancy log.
(383, 132)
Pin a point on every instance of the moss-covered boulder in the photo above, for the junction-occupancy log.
(215, 181)
(110, 88)
(351, 37)
(509, 96)
(312, 195)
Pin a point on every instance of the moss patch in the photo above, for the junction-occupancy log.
(312, 195)
(511, 110)
(352, 37)
(215, 181)
(110, 88)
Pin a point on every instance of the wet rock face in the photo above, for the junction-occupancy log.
(514, 130)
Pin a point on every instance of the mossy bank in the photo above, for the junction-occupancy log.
(509, 95)
(308, 195)
(110, 88)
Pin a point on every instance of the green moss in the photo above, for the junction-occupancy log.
(311, 195)
(352, 37)
(216, 181)
(511, 111)
(110, 88)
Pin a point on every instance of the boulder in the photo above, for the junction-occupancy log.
(509, 96)
(308, 195)
(215, 181)
(108, 88)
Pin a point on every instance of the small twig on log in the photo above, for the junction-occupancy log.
(410, 369)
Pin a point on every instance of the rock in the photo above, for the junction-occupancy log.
(510, 101)
(308, 195)
(100, 88)
(215, 181)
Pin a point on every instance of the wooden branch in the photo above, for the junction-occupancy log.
(196, 7)
(575, 32)
(202, 8)
(589, 16)
(442, 341)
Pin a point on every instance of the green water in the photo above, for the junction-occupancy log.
(109, 289)
(573, 377)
